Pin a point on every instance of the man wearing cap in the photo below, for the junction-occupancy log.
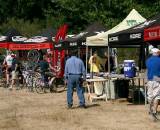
(153, 72)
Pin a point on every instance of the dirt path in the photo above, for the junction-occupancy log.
(22, 110)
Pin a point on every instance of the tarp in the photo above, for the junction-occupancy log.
(79, 40)
(132, 36)
(43, 40)
(131, 20)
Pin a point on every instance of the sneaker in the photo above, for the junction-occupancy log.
(154, 116)
(82, 106)
(69, 106)
(10, 88)
(7, 86)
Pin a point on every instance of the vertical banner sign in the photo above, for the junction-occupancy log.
(58, 56)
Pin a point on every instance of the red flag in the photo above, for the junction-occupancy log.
(61, 34)
(58, 56)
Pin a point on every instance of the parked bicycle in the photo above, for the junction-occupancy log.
(155, 114)
(43, 87)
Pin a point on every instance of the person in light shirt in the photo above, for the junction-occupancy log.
(8, 63)
(74, 76)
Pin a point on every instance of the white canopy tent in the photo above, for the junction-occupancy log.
(101, 39)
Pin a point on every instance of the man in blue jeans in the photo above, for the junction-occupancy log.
(74, 70)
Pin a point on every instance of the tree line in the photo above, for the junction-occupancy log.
(32, 16)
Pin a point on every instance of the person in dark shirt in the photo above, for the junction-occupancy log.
(44, 67)
(14, 71)
(111, 61)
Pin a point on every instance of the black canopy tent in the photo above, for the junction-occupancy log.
(79, 40)
(133, 38)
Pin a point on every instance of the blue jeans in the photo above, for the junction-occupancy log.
(74, 81)
(44, 77)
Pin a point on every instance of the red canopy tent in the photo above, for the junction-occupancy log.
(40, 41)
(152, 33)
(3, 42)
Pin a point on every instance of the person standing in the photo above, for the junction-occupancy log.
(44, 67)
(94, 63)
(111, 62)
(153, 73)
(8, 64)
(74, 76)
(15, 68)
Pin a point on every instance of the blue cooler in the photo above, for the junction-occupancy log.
(129, 68)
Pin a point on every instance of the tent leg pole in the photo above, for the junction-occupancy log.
(86, 58)
(109, 89)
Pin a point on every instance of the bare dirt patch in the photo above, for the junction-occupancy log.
(22, 110)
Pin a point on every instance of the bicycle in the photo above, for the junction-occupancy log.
(29, 79)
(154, 88)
(33, 55)
(155, 114)
(28, 72)
(42, 87)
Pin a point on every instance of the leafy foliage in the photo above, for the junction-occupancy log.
(35, 15)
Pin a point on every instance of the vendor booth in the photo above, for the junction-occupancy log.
(131, 20)
(133, 38)
(79, 42)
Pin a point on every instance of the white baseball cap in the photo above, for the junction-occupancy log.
(154, 51)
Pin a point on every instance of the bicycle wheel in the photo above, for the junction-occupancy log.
(33, 55)
(52, 85)
(155, 114)
(29, 83)
(39, 86)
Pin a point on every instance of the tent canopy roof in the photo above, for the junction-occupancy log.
(131, 20)
(133, 35)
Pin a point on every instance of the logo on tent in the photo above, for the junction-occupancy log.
(3, 38)
(154, 34)
(83, 43)
(135, 36)
(73, 43)
(37, 39)
(18, 38)
(112, 39)
(145, 24)
(132, 23)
